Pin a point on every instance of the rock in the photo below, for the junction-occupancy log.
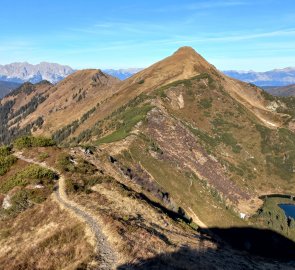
(6, 202)
(242, 215)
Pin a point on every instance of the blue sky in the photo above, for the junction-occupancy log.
(231, 34)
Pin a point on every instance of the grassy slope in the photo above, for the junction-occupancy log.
(185, 188)
(125, 122)
(250, 152)
(237, 138)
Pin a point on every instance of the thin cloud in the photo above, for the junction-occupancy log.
(231, 37)
(121, 28)
(13, 46)
(201, 6)
(215, 4)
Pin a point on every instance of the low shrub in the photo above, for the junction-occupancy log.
(30, 141)
(5, 163)
(5, 151)
(32, 174)
(64, 163)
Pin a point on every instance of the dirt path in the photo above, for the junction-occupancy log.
(105, 254)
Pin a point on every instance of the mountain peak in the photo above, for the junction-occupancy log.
(189, 55)
(183, 64)
(186, 50)
(188, 61)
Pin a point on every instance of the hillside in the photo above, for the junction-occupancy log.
(6, 87)
(25, 72)
(275, 77)
(19, 104)
(284, 91)
(167, 167)
(53, 106)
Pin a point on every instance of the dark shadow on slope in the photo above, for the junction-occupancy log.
(184, 259)
(259, 242)
(248, 248)
(179, 214)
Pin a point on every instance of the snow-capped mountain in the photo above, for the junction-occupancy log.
(25, 72)
(122, 74)
(275, 77)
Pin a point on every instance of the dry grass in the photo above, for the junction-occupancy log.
(136, 229)
(43, 237)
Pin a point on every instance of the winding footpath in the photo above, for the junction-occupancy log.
(105, 254)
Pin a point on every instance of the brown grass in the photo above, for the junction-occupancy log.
(43, 237)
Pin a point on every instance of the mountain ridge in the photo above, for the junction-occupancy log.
(78, 108)
(159, 159)
(182, 64)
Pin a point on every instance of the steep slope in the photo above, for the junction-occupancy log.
(184, 64)
(18, 105)
(217, 135)
(74, 97)
(53, 106)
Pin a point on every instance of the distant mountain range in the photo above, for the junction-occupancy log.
(25, 72)
(122, 74)
(276, 77)
(283, 91)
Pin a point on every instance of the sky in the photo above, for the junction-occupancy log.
(231, 34)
